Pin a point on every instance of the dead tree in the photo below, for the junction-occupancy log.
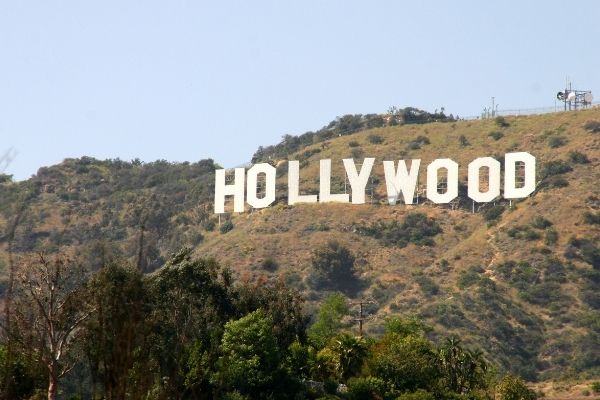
(48, 309)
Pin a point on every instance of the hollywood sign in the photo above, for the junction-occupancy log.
(399, 180)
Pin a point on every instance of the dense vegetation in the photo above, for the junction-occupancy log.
(190, 331)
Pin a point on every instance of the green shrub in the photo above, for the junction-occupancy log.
(416, 228)
(585, 250)
(523, 232)
(226, 226)
(496, 135)
(551, 237)
(591, 218)
(375, 139)
(513, 388)
(208, 224)
(469, 277)
(595, 386)
(462, 140)
(418, 142)
(556, 141)
(540, 222)
(427, 285)
(493, 213)
(542, 293)
(555, 167)
(520, 275)
(423, 140)
(367, 388)
(577, 157)
(333, 268)
(353, 143)
(196, 238)
(269, 265)
(502, 122)
(592, 126)
(321, 227)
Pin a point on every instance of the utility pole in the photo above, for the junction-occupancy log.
(361, 316)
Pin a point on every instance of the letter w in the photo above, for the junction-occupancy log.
(400, 180)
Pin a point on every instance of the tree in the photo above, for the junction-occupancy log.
(513, 388)
(408, 363)
(48, 312)
(21, 378)
(406, 326)
(334, 267)
(250, 355)
(329, 320)
(8, 380)
(283, 304)
(462, 370)
(298, 360)
(117, 332)
(191, 300)
(351, 352)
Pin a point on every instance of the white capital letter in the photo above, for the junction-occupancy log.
(325, 195)
(511, 191)
(252, 185)
(493, 179)
(401, 181)
(432, 181)
(358, 182)
(294, 195)
(236, 190)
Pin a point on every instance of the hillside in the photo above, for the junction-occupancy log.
(520, 281)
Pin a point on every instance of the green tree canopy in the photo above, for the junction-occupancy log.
(329, 320)
(408, 363)
(249, 355)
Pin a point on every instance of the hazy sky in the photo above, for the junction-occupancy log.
(186, 80)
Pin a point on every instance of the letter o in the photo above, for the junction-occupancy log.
(432, 181)
(252, 182)
(494, 179)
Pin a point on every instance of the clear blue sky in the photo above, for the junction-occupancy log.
(186, 80)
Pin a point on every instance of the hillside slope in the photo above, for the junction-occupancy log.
(522, 282)
(522, 287)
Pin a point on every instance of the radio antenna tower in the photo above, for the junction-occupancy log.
(574, 99)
